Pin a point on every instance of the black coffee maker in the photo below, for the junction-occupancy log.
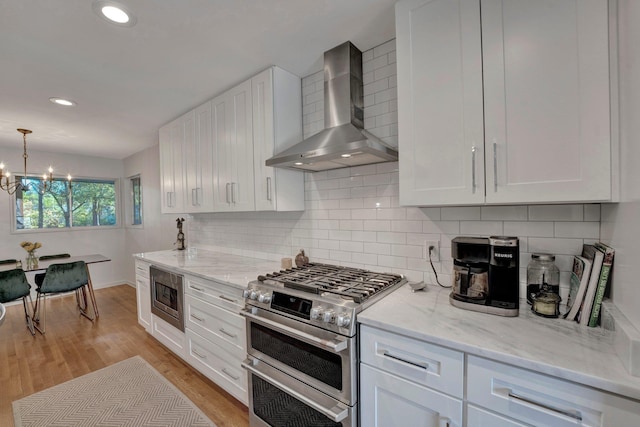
(486, 274)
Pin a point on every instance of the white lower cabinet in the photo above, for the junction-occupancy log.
(143, 295)
(387, 401)
(541, 400)
(410, 382)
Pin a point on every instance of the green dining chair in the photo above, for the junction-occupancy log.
(13, 286)
(62, 278)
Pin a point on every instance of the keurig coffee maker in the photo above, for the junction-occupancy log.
(486, 274)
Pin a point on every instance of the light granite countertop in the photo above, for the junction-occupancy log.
(555, 347)
(234, 270)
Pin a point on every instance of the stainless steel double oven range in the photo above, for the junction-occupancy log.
(302, 343)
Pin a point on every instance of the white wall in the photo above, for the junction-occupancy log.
(621, 222)
(108, 241)
(158, 231)
(352, 215)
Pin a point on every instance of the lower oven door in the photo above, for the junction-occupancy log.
(324, 360)
(279, 400)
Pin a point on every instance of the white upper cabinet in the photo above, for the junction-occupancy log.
(503, 101)
(172, 142)
(277, 125)
(199, 162)
(232, 132)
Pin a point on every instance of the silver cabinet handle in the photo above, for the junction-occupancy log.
(227, 191)
(194, 351)
(473, 169)
(495, 166)
(386, 353)
(193, 197)
(575, 414)
(229, 334)
(199, 319)
(233, 192)
(196, 288)
(269, 188)
(169, 199)
(336, 414)
(235, 377)
(228, 299)
(333, 346)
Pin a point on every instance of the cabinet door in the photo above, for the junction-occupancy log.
(546, 100)
(263, 139)
(478, 417)
(440, 120)
(144, 302)
(199, 158)
(233, 150)
(171, 166)
(389, 401)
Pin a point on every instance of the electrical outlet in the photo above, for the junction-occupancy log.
(435, 252)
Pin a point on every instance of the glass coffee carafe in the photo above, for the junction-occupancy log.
(543, 276)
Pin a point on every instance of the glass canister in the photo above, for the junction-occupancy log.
(542, 275)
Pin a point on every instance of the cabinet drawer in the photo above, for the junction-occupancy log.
(541, 400)
(221, 367)
(142, 269)
(390, 401)
(216, 324)
(213, 292)
(423, 363)
(478, 417)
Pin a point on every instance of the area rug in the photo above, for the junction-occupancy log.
(130, 393)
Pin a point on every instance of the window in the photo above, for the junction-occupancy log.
(83, 203)
(135, 200)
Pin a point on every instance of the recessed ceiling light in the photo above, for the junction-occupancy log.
(298, 163)
(346, 156)
(62, 101)
(114, 12)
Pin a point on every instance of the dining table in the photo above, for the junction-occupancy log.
(43, 264)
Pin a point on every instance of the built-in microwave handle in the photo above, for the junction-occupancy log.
(575, 414)
(333, 346)
(336, 414)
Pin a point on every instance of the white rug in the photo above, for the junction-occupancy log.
(130, 393)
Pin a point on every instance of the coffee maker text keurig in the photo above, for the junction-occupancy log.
(486, 274)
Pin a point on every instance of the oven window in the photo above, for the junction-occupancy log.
(167, 296)
(306, 358)
(278, 409)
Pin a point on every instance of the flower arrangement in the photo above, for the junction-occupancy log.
(30, 247)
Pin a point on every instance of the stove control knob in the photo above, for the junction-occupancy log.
(328, 316)
(265, 298)
(253, 295)
(343, 320)
(246, 293)
(316, 313)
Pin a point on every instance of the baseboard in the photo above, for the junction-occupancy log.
(626, 339)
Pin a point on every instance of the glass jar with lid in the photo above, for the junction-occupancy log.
(542, 275)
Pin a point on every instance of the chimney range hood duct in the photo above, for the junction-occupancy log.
(343, 142)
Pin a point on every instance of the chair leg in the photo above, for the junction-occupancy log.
(92, 296)
(36, 313)
(81, 299)
(28, 318)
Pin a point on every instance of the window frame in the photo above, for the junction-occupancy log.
(118, 208)
(129, 204)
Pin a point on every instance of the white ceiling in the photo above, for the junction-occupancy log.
(130, 81)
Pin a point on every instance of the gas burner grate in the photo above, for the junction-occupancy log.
(347, 282)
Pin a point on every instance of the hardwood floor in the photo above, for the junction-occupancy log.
(73, 346)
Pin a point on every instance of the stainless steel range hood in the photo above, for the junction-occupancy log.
(343, 142)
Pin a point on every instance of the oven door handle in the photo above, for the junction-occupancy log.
(336, 414)
(333, 346)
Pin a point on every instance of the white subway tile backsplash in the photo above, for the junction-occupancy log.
(556, 213)
(534, 229)
(585, 230)
(503, 213)
(467, 213)
(353, 216)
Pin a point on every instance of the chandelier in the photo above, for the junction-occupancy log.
(22, 184)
